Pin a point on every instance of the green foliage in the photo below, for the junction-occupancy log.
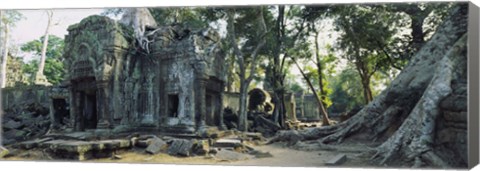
(305, 47)
(188, 16)
(112, 12)
(291, 83)
(191, 17)
(347, 92)
(295, 87)
(10, 17)
(15, 76)
(54, 69)
(427, 15)
(54, 48)
(312, 73)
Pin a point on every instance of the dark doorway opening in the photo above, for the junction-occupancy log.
(173, 102)
(209, 110)
(89, 110)
(61, 113)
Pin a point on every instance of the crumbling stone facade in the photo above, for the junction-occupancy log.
(177, 86)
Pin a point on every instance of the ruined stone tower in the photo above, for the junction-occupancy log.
(113, 84)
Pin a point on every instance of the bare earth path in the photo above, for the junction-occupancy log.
(282, 156)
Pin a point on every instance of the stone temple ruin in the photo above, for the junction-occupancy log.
(115, 90)
(176, 87)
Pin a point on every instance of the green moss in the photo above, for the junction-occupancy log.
(3, 152)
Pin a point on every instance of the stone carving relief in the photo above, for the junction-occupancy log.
(84, 66)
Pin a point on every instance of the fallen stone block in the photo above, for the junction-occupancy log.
(32, 143)
(180, 147)
(143, 143)
(134, 141)
(227, 155)
(13, 125)
(337, 160)
(210, 133)
(111, 144)
(8, 141)
(156, 146)
(116, 157)
(227, 142)
(201, 147)
(254, 135)
(19, 134)
(83, 150)
(78, 135)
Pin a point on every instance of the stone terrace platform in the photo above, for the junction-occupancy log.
(77, 149)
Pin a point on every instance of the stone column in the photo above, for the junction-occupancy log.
(74, 112)
(53, 122)
(200, 93)
(127, 118)
(200, 96)
(221, 123)
(300, 106)
(102, 105)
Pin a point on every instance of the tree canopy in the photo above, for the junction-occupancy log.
(54, 70)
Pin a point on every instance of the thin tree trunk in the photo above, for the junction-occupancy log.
(5, 56)
(2, 79)
(323, 94)
(367, 90)
(364, 80)
(364, 74)
(230, 77)
(417, 30)
(41, 66)
(321, 107)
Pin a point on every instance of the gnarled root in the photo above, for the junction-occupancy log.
(316, 145)
(415, 136)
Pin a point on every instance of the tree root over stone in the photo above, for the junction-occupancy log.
(406, 112)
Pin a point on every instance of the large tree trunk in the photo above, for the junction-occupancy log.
(2, 79)
(404, 115)
(278, 76)
(240, 58)
(242, 113)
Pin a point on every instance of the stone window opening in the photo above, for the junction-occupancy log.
(173, 102)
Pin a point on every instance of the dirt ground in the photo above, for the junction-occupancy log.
(281, 156)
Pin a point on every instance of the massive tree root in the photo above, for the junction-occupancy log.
(404, 115)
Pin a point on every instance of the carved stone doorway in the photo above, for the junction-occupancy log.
(87, 103)
(211, 109)
(89, 110)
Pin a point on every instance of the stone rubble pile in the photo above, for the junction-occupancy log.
(229, 148)
(24, 121)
